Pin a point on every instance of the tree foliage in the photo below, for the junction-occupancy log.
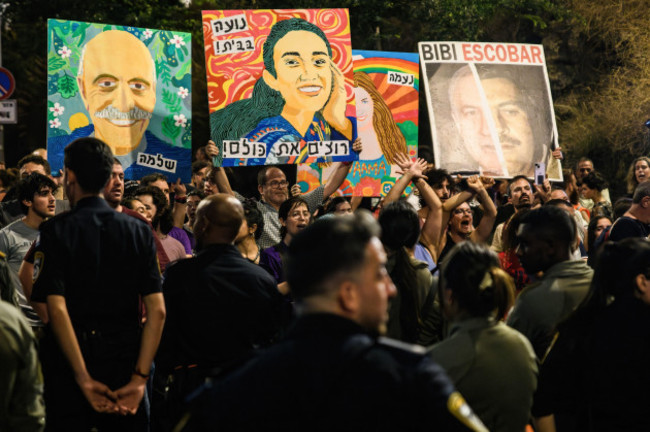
(595, 55)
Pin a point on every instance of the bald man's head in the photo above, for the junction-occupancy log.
(218, 219)
(117, 83)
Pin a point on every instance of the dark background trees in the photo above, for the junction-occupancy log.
(596, 57)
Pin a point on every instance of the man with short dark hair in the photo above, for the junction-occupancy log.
(33, 163)
(220, 306)
(114, 192)
(92, 266)
(583, 168)
(520, 194)
(636, 221)
(546, 237)
(36, 196)
(12, 209)
(441, 182)
(331, 372)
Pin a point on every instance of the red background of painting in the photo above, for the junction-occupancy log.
(231, 76)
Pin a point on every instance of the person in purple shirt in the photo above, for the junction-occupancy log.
(178, 209)
(159, 214)
(294, 216)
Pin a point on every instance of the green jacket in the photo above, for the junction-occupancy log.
(494, 368)
(543, 304)
(21, 382)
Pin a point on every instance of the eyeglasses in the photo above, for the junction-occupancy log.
(275, 183)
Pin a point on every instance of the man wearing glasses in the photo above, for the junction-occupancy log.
(273, 187)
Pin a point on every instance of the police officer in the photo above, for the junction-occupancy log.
(332, 372)
(219, 307)
(91, 266)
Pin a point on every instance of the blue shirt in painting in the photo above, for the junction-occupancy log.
(374, 168)
(150, 144)
(273, 131)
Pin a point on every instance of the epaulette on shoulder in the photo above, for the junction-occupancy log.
(401, 346)
(2, 255)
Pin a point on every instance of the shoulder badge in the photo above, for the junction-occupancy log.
(458, 408)
(401, 346)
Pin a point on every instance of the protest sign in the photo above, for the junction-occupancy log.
(128, 86)
(490, 108)
(280, 85)
(386, 88)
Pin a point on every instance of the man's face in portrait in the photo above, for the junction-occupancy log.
(117, 85)
(510, 120)
(303, 71)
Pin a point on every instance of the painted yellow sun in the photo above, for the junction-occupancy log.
(77, 120)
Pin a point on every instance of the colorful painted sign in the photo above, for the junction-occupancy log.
(386, 88)
(280, 85)
(490, 107)
(128, 86)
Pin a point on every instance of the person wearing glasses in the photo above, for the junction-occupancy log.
(273, 188)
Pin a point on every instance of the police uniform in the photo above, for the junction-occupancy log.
(101, 261)
(330, 374)
(220, 307)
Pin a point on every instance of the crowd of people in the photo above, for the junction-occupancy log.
(470, 304)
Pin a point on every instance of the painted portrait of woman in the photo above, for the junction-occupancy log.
(375, 123)
(381, 137)
(300, 96)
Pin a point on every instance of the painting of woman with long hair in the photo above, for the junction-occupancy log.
(300, 97)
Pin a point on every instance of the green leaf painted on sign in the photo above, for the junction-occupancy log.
(171, 101)
(54, 64)
(185, 68)
(162, 70)
(67, 86)
(169, 128)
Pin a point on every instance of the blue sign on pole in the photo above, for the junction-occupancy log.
(7, 83)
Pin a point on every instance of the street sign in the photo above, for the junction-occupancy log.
(7, 83)
(8, 111)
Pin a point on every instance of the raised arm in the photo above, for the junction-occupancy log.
(478, 185)
(411, 170)
(223, 184)
(432, 228)
(180, 203)
(341, 171)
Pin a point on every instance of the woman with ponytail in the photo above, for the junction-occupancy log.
(596, 374)
(493, 366)
(414, 314)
